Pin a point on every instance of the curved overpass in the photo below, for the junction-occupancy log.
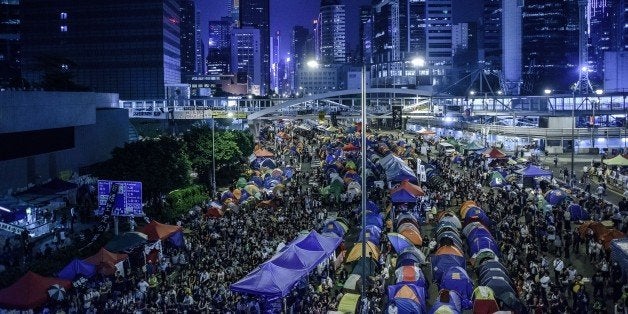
(423, 92)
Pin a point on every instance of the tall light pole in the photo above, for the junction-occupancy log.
(573, 129)
(213, 156)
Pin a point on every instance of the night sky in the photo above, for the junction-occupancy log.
(285, 14)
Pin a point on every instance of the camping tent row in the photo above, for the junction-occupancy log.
(601, 232)
(396, 170)
(276, 277)
(406, 192)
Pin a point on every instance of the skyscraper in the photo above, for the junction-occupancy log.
(301, 49)
(246, 58)
(332, 28)
(416, 25)
(274, 62)
(74, 38)
(603, 25)
(490, 47)
(364, 45)
(200, 46)
(256, 14)
(9, 42)
(438, 28)
(219, 47)
(188, 27)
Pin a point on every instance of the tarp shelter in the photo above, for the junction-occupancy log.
(348, 303)
(269, 280)
(618, 160)
(317, 242)
(107, 262)
(493, 153)
(158, 231)
(29, 292)
(294, 257)
(76, 268)
(263, 153)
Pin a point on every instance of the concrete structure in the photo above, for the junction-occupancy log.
(45, 133)
(246, 57)
(511, 46)
(332, 32)
(616, 73)
(438, 27)
(256, 14)
(103, 44)
(490, 31)
(320, 80)
(459, 37)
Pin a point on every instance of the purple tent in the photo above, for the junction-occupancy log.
(534, 171)
(555, 197)
(317, 242)
(76, 268)
(479, 243)
(294, 257)
(578, 213)
(269, 280)
(457, 279)
(402, 196)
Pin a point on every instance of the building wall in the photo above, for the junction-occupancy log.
(333, 44)
(125, 47)
(97, 128)
(320, 80)
(616, 74)
(256, 13)
(246, 58)
(438, 27)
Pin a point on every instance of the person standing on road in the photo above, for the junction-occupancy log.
(555, 160)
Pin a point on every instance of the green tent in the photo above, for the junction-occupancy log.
(474, 146)
(241, 183)
(336, 187)
(618, 160)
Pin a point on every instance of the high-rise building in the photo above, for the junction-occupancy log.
(621, 36)
(490, 41)
(438, 29)
(364, 46)
(103, 45)
(602, 29)
(416, 24)
(332, 32)
(301, 49)
(233, 7)
(219, 47)
(199, 57)
(188, 27)
(246, 57)
(9, 42)
(550, 45)
(459, 37)
(274, 62)
(256, 14)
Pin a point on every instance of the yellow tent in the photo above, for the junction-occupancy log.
(483, 293)
(356, 251)
(348, 303)
(618, 160)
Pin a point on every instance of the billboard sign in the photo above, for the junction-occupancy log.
(128, 199)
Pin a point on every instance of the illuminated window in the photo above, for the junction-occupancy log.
(64, 28)
(63, 15)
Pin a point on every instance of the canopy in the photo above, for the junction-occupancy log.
(474, 146)
(263, 153)
(76, 268)
(348, 303)
(30, 291)
(126, 241)
(493, 153)
(269, 280)
(294, 257)
(618, 160)
(457, 279)
(398, 241)
(534, 171)
(158, 231)
(356, 252)
(314, 241)
(106, 261)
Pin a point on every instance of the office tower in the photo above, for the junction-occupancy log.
(302, 49)
(490, 31)
(246, 57)
(438, 29)
(459, 37)
(603, 26)
(550, 44)
(10, 43)
(390, 27)
(199, 57)
(365, 41)
(74, 39)
(511, 43)
(256, 14)
(188, 41)
(416, 25)
(219, 47)
(621, 36)
(233, 11)
(332, 28)
(274, 62)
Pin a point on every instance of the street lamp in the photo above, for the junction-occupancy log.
(363, 174)
(547, 91)
(418, 62)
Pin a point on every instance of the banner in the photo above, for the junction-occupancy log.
(397, 122)
(128, 200)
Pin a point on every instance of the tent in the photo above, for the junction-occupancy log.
(349, 303)
(263, 153)
(412, 234)
(465, 206)
(534, 171)
(372, 233)
(484, 300)
(76, 268)
(412, 254)
(353, 283)
(375, 220)
(158, 231)
(294, 257)
(336, 227)
(442, 263)
(350, 147)
(398, 241)
(497, 180)
(479, 243)
(269, 280)
(106, 262)
(576, 212)
(449, 217)
(30, 291)
(619, 160)
(412, 189)
(405, 306)
(407, 291)
(493, 153)
(356, 251)
(448, 302)
(477, 214)
(555, 197)
(449, 238)
(366, 266)
(473, 146)
(410, 274)
(457, 279)
(126, 242)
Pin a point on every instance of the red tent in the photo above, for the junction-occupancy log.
(30, 291)
(411, 188)
(158, 231)
(493, 153)
(263, 153)
(350, 147)
(106, 261)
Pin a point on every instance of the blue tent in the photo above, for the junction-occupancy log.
(478, 232)
(477, 214)
(489, 264)
(403, 196)
(269, 280)
(454, 303)
(398, 241)
(294, 257)
(578, 213)
(442, 263)
(534, 171)
(76, 268)
(375, 220)
(555, 197)
(372, 207)
(479, 243)
(177, 239)
(317, 242)
(408, 306)
(334, 227)
(418, 291)
(457, 279)
(399, 172)
(373, 234)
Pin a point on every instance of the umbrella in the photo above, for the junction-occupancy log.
(398, 241)
(56, 292)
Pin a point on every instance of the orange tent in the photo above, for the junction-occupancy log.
(448, 249)
(263, 153)
(158, 231)
(413, 235)
(406, 293)
(356, 251)
(350, 147)
(30, 291)
(493, 153)
(409, 187)
(106, 261)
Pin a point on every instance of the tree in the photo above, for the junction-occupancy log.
(161, 164)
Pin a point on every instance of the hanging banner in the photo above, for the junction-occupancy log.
(397, 122)
(128, 200)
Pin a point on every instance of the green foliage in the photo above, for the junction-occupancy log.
(182, 200)
(161, 164)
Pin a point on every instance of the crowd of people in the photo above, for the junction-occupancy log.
(540, 248)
